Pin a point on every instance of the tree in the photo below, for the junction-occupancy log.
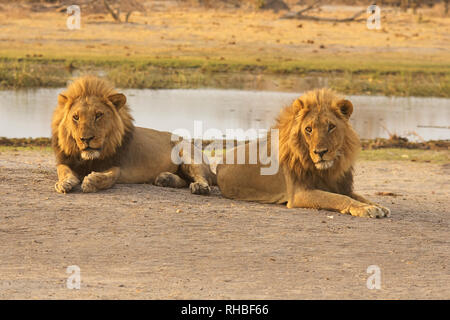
(128, 6)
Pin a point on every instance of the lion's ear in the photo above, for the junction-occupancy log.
(118, 100)
(298, 104)
(345, 108)
(62, 99)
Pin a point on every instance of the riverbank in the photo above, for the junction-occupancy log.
(394, 149)
(184, 47)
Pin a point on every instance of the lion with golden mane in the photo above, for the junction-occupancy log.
(317, 152)
(97, 145)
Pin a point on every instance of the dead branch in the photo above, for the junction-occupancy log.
(294, 15)
(300, 16)
(115, 15)
(128, 16)
(310, 7)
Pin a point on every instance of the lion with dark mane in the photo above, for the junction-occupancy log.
(317, 152)
(97, 145)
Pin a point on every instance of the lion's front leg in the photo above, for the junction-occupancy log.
(199, 173)
(364, 200)
(96, 181)
(67, 179)
(201, 176)
(319, 199)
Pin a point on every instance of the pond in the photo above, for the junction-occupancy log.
(27, 113)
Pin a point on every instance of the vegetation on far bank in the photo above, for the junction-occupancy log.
(347, 76)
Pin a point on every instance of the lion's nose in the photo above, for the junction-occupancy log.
(321, 152)
(87, 139)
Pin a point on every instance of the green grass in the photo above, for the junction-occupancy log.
(415, 155)
(348, 76)
(27, 148)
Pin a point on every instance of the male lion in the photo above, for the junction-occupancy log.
(317, 151)
(97, 145)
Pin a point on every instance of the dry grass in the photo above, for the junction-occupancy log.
(231, 34)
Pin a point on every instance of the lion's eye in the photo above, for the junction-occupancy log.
(76, 117)
(308, 129)
(331, 127)
(98, 115)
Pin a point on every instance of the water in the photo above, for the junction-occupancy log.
(27, 113)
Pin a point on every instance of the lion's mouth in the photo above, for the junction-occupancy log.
(91, 149)
(90, 153)
(324, 164)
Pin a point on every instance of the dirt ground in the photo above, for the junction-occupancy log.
(146, 242)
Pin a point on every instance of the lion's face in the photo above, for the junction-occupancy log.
(323, 130)
(92, 121)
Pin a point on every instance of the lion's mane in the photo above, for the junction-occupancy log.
(116, 143)
(294, 152)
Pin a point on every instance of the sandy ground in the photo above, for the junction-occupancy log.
(184, 31)
(146, 242)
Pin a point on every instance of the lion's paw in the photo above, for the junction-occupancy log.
(167, 179)
(91, 182)
(368, 211)
(66, 185)
(199, 188)
(387, 211)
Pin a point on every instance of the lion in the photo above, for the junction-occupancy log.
(97, 145)
(316, 154)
